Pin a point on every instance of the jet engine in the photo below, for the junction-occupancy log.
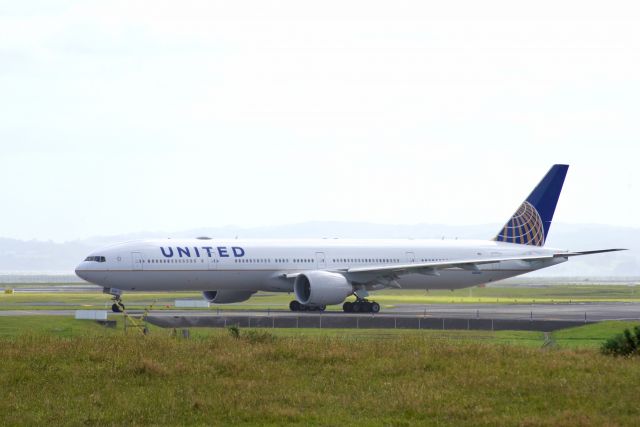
(225, 297)
(321, 288)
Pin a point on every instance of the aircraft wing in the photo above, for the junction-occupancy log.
(598, 251)
(431, 268)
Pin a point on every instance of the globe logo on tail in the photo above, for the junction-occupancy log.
(525, 227)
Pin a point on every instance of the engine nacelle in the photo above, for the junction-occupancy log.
(226, 297)
(321, 288)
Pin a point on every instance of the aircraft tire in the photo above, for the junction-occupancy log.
(294, 305)
(347, 307)
(374, 307)
(116, 308)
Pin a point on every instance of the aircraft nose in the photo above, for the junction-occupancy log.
(80, 272)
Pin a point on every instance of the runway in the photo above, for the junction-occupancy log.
(540, 317)
(569, 312)
(536, 317)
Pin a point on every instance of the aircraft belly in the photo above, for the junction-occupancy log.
(200, 280)
(269, 280)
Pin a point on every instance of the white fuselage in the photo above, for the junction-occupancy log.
(262, 265)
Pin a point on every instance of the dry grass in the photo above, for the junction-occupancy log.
(268, 380)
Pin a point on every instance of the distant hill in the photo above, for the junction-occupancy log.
(40, 256)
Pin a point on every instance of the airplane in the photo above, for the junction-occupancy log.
(323, 272)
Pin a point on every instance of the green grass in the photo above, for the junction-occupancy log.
(70, 300)
(592, 335)
(588, 336)
(61, 371)
(57, 326)
(66, 326)
(267, 379)
(388, 298)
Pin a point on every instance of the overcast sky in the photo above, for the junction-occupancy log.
(123, 116)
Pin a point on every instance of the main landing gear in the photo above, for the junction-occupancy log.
(296, 306)
(361, 306)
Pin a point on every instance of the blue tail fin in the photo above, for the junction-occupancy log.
(531, 222)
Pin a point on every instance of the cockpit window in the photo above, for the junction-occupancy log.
(96, 258)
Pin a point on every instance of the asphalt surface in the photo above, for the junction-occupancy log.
(551, 312)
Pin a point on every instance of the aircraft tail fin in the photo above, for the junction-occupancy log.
(531, 222)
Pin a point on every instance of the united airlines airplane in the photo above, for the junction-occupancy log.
(327, 271)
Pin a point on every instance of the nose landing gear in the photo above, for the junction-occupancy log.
(118, 306)
(361, 305)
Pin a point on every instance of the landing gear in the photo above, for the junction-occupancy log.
(296, 306)
(361, 306)
(118, 306)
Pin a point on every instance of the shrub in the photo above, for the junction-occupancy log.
(234, 331)
(625, 344)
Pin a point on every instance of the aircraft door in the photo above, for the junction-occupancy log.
(321, 263)
(136, 260)
(213, 262)
(411, 258)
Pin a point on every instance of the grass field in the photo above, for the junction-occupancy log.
(387, 299)
(588, 336)
(59, 371)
